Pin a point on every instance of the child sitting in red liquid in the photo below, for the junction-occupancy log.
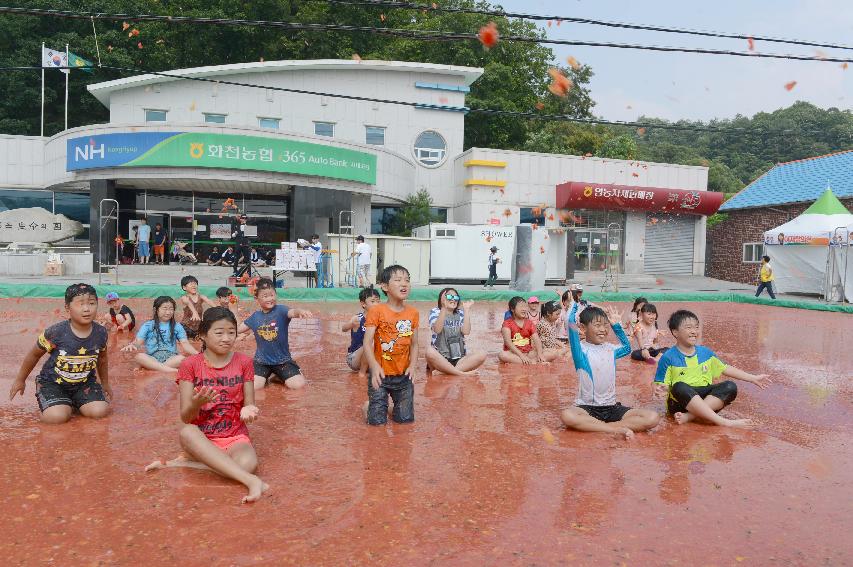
(521, 341)
(217, 401)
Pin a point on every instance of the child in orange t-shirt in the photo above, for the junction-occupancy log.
(392, 329)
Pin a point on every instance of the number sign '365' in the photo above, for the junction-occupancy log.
(224, 151)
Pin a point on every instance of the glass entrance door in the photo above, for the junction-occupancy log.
(590, 250)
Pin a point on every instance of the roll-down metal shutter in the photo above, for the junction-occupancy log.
(669, 244)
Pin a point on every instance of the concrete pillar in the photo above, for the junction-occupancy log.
(699, 246)
(103, 233)
(360, 213)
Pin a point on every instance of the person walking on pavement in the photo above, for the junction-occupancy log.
(493, 268)
(765, 278)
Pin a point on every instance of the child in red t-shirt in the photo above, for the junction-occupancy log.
(217, 398)
(521, 341)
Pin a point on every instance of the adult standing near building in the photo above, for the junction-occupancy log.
(143, 235)
(159, 244)
(244, 251)
(493, 267)
(765, 278)
(363, 252)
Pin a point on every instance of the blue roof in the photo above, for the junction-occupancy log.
(797, 182)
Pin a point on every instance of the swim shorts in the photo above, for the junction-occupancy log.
(281, 371)
(225, 443)
(75, 395)
(607, 414)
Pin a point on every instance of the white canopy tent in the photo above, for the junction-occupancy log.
(800, 249)
(839, 276)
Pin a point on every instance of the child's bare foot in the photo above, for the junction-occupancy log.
(683, 417)
(158, 464)
(739, 423)
(256, 487)
(624, 432)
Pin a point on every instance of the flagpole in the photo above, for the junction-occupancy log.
(67, 74)
(42, 90)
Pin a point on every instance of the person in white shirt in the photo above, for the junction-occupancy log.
(363, 251)
(317, 248)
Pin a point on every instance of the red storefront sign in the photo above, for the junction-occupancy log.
(579, 195)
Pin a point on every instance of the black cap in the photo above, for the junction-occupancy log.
(494, 248)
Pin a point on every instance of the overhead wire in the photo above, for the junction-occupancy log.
(427, 35)
(471, 110)
(538, 17)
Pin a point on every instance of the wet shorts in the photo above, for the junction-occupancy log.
(282, 371)
(607, 414)
(351, 360)
(75, 395)
(226, 443)
(680, 394)
(162, 356)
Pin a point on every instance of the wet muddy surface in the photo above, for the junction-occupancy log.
(485, 476)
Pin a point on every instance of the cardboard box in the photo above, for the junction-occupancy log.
(54, 269)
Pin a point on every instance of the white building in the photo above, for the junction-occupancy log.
(298, 162)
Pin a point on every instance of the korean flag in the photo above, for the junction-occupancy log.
(53, 59)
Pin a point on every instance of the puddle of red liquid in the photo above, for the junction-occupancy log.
(486, 475)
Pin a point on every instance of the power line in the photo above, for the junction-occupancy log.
(537, 17)
(483, 111)
(427, 35)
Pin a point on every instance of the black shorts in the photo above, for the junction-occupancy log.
(75, 395)
(607, 414)
(680, 394)
(282, 371)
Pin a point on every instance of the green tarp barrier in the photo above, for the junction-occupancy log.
(419, 294)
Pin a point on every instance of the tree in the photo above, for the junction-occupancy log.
(619, 147)
(415, 212)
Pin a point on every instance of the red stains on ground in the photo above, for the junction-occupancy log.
(485, 475)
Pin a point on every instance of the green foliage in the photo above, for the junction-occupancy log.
(719, 218)
(515, 77)
(415, 212)
(619, 147)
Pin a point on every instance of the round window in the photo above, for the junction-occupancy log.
(430, 149)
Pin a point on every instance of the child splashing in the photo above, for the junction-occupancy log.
(217, 401)
(521, 341)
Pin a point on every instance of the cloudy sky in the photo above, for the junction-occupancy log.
(631, 83)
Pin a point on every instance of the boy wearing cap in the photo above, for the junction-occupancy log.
(493, 268)
(121, 315)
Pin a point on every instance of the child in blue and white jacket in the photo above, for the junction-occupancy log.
(596, 408)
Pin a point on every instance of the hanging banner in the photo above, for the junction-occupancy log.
(579, 195)
(223, 151)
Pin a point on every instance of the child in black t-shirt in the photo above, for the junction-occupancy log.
(77, 349)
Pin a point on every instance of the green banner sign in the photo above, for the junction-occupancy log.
(225, 151)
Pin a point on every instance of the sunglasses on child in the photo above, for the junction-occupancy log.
(451, 297)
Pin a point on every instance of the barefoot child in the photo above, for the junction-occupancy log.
(161, 336)
(270, 325)
(194, 304)
(217, 401)
(449, 325)
(77, 359)
(687, 372)
(391, 329)
(521, 341)
(646, 335)
(596, 408)
(368, 297)
(547, 326)
(120, 314)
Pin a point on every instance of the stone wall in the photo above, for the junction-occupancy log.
(726, 239)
